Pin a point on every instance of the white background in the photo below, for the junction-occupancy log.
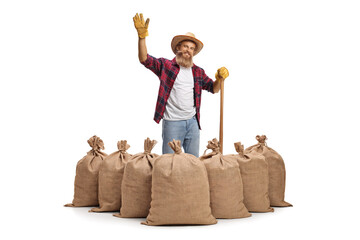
(69, 70)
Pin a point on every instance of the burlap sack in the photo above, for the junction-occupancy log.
(86, 179)
(136, 184)
(255, 177)
(277, 172)
(226, 187)
(180, 190)
(110, 178)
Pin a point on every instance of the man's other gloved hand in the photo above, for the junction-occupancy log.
(221, 73)
(141, 26)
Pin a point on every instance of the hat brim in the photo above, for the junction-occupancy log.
(179, 38)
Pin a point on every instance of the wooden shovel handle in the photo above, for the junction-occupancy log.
(221, 114)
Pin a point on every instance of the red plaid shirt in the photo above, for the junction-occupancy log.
(167, 72)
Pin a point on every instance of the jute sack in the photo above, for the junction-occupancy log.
(255, 177)
(136, 184)
(226, 187)
(180, 190)
(86, 179)
(110, 178)
(277, 172)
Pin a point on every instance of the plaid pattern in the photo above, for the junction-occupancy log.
(167, 72)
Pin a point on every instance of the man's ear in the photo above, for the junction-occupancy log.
(178, 46)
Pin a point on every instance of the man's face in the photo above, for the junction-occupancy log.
(187, 48)
(185, 53)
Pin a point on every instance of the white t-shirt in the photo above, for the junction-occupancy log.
(180, 105)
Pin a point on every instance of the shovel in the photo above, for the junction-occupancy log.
(226, 74)
(221, 114)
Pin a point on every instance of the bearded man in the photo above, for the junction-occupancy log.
(181, 83)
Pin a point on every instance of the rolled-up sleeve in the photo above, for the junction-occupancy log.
(154, 64)
(208, 83)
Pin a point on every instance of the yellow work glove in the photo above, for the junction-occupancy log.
(141, 26)
(221, 73)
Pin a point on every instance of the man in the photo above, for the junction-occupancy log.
(181, 83)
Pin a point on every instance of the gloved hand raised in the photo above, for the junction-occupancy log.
(141, 26)
(221, 73)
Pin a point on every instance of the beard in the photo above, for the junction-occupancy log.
(182, 61)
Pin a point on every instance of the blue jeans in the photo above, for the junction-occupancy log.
(187, 131)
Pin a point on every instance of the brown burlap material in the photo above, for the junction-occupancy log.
(255, 177)
(180, 190)
(110, 178)
(86, 179)
(277, 172)
(136, 184)
(226, 187)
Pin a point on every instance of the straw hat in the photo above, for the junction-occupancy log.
(187, 37)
